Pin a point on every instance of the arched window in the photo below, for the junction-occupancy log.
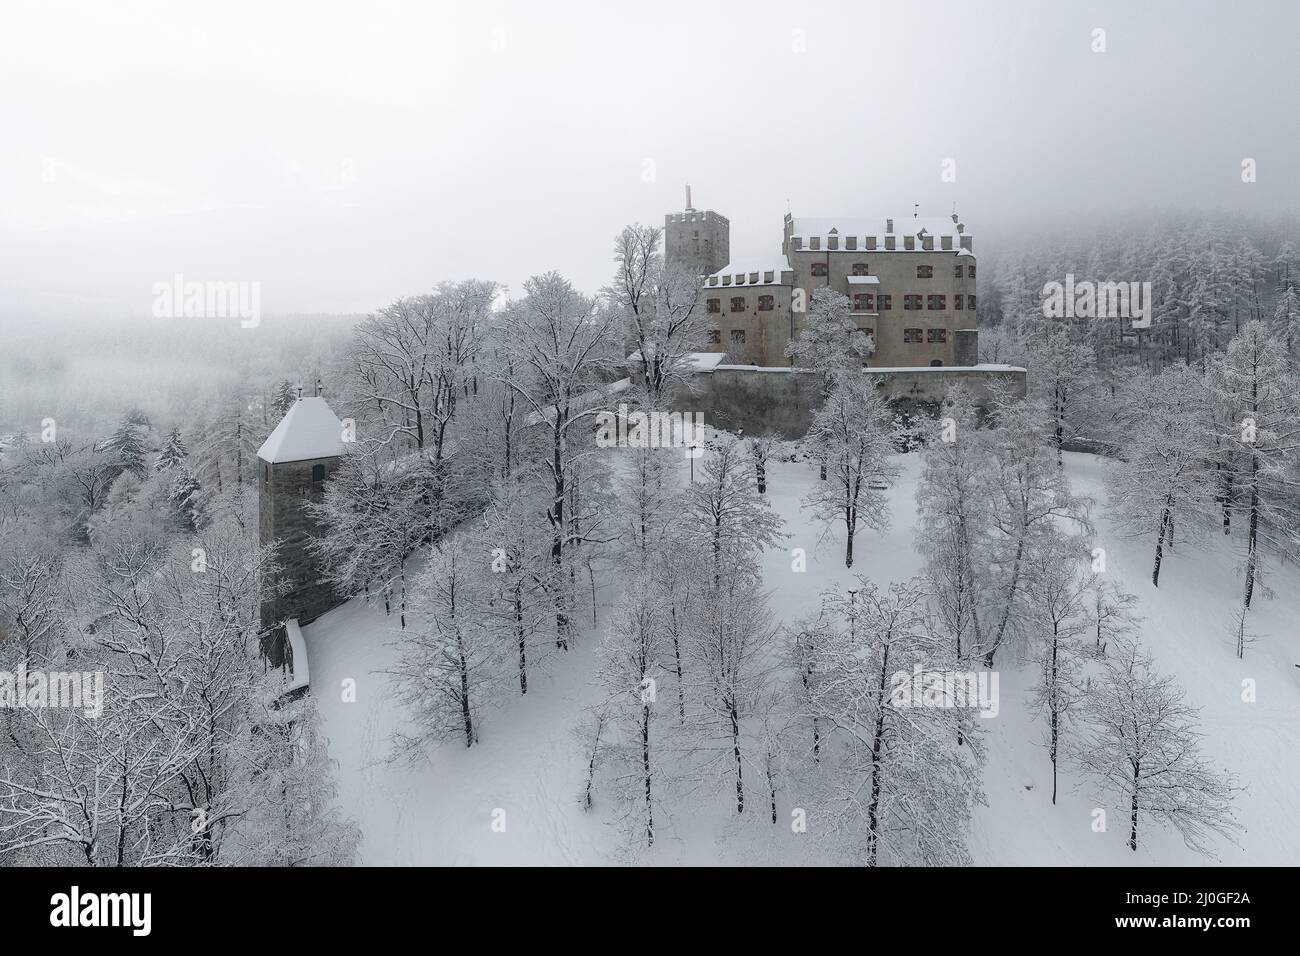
(936, 363)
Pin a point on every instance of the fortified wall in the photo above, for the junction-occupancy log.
(784, 400)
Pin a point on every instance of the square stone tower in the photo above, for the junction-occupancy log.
(698, 240)
(295, 462)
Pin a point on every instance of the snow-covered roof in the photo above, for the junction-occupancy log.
(697, 361)
(581, 403)
(751, 272)
(300, 674)
(934, 227)
(310, 430)
(940, 369)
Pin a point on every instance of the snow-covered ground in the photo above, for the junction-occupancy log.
(528, 764)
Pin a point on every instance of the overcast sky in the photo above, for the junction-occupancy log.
(342, 154)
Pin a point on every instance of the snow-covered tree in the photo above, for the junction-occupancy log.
(1030, 494)
(517, 551)
(1111, 614)
(1141, 746)
(295, 820)
(559, 343)
(126, 447)
(954, 521)
(723, 511)
(33, 613)
(829, 341)
(283, 396)
(1057, 592)
(852, 438)
(185, 498)
(1254, 383)
(630, 657)
(173, 452)
(1165, 448)
(659, 306)
(730, 633)
(448, 663)
(893, 785)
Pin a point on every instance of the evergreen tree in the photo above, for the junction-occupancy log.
(173, 454)
(126, 447)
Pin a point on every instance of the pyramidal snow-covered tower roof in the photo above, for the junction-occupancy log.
(309, 430)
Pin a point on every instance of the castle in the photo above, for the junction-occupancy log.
(910, 284)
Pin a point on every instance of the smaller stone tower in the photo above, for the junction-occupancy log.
(700, 241)
(295, 462)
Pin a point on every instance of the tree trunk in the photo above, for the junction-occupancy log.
(519, 637)
(1252, 530)
(735, 746)
(645, 763)
(1160, 546)
(1055, 706)
(877, 742)
(464, 692)
(1133, 815)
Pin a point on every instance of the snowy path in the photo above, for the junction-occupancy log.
(528, 765)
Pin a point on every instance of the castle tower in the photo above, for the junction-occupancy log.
(296, 461)
(700, 241)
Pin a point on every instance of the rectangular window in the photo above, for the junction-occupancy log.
(970, 302)
(970, 270)
(957, 271)
(884, 302)
(738, 303)
(863, 302)
(957, 301)
(936, 336)
(819, 269)
(911, 335)
(715, 336)
(925, 272)
(936, 302)
(860, 269)
(766, 303)
(737, 336)
(715, 305)
(317, 472)
(912, 303)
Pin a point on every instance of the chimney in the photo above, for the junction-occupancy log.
(689, 208)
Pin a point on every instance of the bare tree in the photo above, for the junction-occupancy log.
(1142, 747)
(851, 438)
